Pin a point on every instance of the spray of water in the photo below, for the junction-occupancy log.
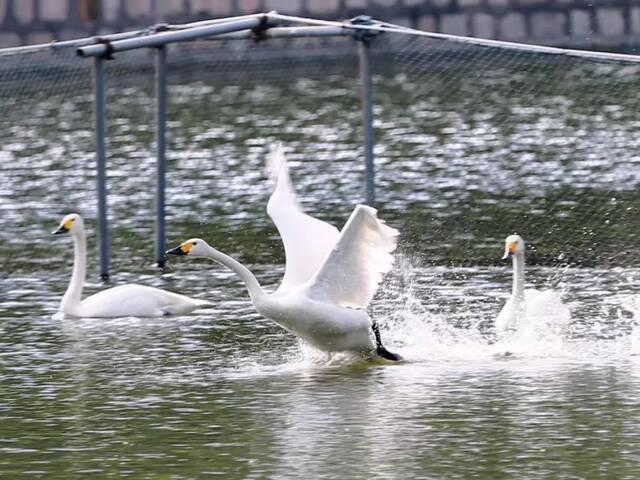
(632, 304)
(422, 324)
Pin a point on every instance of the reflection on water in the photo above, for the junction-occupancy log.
(471, 145)
(229, 393)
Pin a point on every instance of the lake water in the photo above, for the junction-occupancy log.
(471, 146)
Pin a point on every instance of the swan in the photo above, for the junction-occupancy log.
(121, 301)
(541, 310)
(330, 276)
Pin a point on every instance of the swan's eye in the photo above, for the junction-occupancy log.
(194, 243)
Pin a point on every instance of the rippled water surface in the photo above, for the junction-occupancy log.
(226, 392)
(472, 144)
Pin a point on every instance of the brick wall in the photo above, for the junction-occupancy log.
(606, 24)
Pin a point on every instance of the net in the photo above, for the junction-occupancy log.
(473, 142)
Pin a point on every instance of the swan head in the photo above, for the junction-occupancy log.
(71, 223)
(194, 247)
(513, 245)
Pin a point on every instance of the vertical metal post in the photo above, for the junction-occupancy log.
(161, 113)
(364, 54)
(99, 94)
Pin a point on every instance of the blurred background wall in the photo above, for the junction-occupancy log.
(601, 24)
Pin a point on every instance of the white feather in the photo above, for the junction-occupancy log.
(122, 301)
(542, 312)
(350, 275)
(307, 241)
(528, 312)
(133, 300)
(330, 277)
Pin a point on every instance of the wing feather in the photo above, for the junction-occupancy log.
(350, 275)
(307, 240)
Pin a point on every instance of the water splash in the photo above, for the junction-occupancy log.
(632, 304)
(417, 330)
(429, 315)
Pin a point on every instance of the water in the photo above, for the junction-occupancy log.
(226, 392)
(466, 155)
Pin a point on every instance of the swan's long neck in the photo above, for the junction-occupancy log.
(73, 294)
(253, 286)
(518, 278)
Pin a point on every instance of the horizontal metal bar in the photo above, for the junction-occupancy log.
(82, 42)
(375, 25)
(275, 17)
(525, 47)
(215, 21)
(164, 38)
(287, 32)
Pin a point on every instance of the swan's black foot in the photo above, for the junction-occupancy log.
(387, 355)
(380, 350)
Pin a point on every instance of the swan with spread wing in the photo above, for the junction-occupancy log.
(330, 276)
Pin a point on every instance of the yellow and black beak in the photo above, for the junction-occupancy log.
(62, 229)
(182, 249)
(509, 250)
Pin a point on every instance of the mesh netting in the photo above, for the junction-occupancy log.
(472, 144)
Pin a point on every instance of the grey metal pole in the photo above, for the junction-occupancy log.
(99, 94)
(161, 112)
(364, 54)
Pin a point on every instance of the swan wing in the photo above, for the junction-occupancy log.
(350, 275)
(546, 309)
(543, 310)
(506, 320)
(307, 240)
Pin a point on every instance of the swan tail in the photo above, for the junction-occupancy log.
(203, 303)
(185, 307)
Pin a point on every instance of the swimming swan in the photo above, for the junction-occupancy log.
(530, 308)
(122, 301)
(330, 276)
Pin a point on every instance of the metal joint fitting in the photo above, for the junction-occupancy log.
(258, 32)
(363, 35)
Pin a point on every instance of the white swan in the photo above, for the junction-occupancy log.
(530, 308)
(122, 301)
(330, 276)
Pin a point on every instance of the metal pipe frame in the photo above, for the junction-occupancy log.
(257, 27)
(161, 114)
(163, 38)
(82, 42)
(215, 21)
(375, 27)
(364, 54)
(287, 32)
(100, 98)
